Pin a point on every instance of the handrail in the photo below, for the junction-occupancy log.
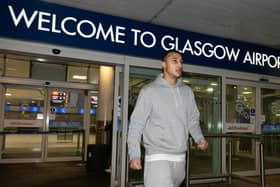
(229, 175)
(231, 136)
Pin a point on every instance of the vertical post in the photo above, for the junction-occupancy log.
(124, 124)
(114, 156)
(262, 170)
(230, 162)
(83, 144)
(188, 165)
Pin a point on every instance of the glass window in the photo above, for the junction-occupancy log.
(44, 71)
(1, 64)
(77, 74)
(17, 66)
(21, 103)
(93, 75)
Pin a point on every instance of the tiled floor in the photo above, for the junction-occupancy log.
(73, 174)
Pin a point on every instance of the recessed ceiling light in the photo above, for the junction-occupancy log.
(81, 77)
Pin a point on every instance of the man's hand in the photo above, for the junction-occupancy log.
(135, 164)
(203, 144)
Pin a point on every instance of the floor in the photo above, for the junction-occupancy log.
(74, 174)
(70, 174)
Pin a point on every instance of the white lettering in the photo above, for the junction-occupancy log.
(109, 32)
(232, 53)
(41, 20)
(197, 45)
(248, 58)
(54, 25)
(204, 52)
(187, 47)
(223, 52)
(135, 38)
(274, 60)
(119, 34)
(63, 23)
(149, 35)
(21, 15)
(89, 35)
(170, 45)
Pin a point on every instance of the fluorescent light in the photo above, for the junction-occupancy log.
(246, 92)
(214, 84)
(186, 81)
(81, 77)
(41, 59)
(8, 94)
(210, 89)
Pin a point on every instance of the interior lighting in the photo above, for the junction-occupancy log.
(246, 92)
(80, 77)
(214, 84)
(210, 89)
(8, 94)
(41, 59)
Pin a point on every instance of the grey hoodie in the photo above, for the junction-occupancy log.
(164, 114)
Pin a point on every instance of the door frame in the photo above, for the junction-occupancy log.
(258, 86)
(29, 84)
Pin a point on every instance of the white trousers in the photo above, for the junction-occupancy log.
(164, 173)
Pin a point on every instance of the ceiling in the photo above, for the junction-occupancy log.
(254, 21)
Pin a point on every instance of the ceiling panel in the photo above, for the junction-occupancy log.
(245, 20)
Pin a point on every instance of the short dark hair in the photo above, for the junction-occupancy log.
(166, 53)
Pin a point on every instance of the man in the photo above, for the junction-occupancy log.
(165, 114)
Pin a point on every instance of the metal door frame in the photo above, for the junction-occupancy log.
(258, 86)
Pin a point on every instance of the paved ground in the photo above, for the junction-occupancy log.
(73, 174)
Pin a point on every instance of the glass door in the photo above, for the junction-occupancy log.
(270, 126)
(43, 123)
(65, 123)
(241, 118)
(207, 91)
(24, 111)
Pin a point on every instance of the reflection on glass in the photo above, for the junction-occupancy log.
(207, 91)
(240, 114)
(46, 71)
(23, 112)
(270, 102)
(66, 114)
(77, 74)
(93, 119)
(239, 102)
(17, 66)
(1, 64)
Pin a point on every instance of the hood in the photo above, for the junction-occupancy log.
(164, 83)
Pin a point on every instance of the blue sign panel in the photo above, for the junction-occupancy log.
(270, 128)
(45, 22)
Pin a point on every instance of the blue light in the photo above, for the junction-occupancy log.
(92, 111)
(6, 108)
(34, 109)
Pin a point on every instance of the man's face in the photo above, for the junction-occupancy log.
(172, 65)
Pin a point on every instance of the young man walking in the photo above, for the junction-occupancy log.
(165, 114)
